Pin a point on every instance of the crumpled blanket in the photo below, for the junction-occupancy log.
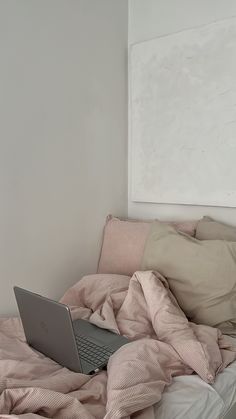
(164, 344)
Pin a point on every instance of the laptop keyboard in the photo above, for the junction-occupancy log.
(92, 353)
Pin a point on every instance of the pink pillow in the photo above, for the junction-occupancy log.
(124, 242)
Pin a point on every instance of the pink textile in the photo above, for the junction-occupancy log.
(164, 345)
(124, 242)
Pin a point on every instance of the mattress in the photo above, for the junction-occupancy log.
(190, 397)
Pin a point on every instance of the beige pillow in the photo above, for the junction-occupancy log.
(209, 229)
(124, 241)
(201, 274)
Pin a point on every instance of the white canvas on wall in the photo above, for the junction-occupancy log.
(183, 117)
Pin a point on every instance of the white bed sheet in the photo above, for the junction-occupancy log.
(189, 397)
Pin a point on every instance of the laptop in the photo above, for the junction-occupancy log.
(78, 345)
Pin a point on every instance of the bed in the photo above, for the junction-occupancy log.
(188, 396)
(191, 398)
(173, 368)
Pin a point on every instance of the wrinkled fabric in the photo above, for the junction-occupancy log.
(164, 344)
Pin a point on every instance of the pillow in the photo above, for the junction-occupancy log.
(201, 274)
(124, 241)
(209, 229)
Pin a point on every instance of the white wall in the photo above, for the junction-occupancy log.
(152, 18)
(63, 138)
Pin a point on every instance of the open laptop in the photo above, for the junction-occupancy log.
(78, 345)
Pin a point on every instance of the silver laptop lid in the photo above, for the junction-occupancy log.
(48, 327)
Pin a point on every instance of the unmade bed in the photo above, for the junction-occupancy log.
(138, 374)
(191, 398)
(177, 365)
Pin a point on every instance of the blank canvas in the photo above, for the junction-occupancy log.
(183, 117)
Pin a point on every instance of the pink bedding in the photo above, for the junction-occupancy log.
(164, 345)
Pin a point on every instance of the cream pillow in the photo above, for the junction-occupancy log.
(201, 274)
(209, 229)
(124, 241)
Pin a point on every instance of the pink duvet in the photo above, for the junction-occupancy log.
(164, 345)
